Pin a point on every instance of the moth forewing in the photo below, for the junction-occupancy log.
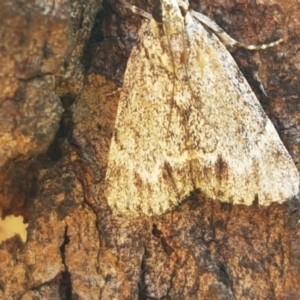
(192, 124)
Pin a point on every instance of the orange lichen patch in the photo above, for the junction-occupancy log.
(10, 226)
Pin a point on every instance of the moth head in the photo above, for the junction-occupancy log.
(171, 13)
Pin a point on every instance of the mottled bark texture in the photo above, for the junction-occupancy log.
(76, 249)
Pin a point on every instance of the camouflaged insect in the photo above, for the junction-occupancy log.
(188, 119)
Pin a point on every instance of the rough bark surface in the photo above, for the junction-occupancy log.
(75, 248)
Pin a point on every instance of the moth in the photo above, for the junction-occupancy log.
(187, 119)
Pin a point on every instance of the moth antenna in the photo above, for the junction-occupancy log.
(227, 39)
(137, 10)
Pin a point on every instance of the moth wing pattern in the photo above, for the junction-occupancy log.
(188, 119)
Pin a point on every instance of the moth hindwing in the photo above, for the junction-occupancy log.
(188, 119)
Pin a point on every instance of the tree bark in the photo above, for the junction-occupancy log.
(53, 155)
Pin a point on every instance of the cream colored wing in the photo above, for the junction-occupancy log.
(187, 119)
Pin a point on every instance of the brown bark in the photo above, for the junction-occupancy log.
(75, 248)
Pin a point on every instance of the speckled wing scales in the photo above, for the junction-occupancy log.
(188, 119)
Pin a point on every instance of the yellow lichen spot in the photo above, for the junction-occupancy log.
(10, 226)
